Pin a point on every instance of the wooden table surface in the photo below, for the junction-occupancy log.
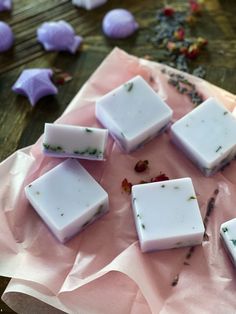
(21, 125)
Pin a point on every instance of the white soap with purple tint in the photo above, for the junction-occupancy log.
(88, 4)
(167, 215)
(228, 236)
(207, 136)
(67, 198)
(133, 113)
(61, 140)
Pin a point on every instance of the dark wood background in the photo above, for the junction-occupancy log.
(21, 125)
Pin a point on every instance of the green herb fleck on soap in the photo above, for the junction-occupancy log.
(163, 185)
(233, 241)
(62, 214)
(225, 229)
(225, 113)
(88, 130)
(176, 187)
(37, 192)
(46, 146)
(219, 148)
(139, 216)
(29, 185)
(143, 226)
(192, 198)
(128, 86)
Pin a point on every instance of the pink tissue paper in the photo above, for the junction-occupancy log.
(102, 269)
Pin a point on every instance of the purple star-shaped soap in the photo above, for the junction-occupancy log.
(5, 5)
(35, 84)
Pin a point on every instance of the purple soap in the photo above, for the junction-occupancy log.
(5, 5)
(58, 36)
(119, 23)
(6, 37)
(35, 84)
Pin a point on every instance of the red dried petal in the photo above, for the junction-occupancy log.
(141, 166)
(126, 186)
(160, 177)
(168, 11)
(179, 34)
(193, 51)
(195, 7)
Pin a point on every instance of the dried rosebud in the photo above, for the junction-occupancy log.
(160, 177)
(171, 46)
(141, 166)
(193, 51)
(126, 186)
(168, 11)
(179, 34)
(195, 7)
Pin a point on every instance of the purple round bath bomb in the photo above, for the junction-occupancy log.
(6, 37)
(119, 23)
(58, 36)
(5, 5)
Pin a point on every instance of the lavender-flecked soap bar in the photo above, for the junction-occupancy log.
(207, 136)
(61, 140)
(88, 4)
(228, 236)
(133, 113)
(167, 215)
(67, 198)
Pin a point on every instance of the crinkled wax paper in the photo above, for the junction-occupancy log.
(102, 270)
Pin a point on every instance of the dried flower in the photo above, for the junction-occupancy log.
(141, 166)
(160, 177)
(126, 186)
(168, 11)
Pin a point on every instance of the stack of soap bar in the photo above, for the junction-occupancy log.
(133, 113)
(67, 198)
(88, 4)
(207, 136)
(74, 141)
(167, 215)
(228, 236)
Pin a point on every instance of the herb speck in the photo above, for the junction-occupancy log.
(129, 86)
(88, 130)
(62, 214)
(233, 241)
(225, 229)
(225, 113)
(219, 148)
(143, 226)
(30, 185)
(163, 185)
(192, 198)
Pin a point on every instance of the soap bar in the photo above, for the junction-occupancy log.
(88, 4)
(228, 236)
(207, 136)
(61, 140)
(133, 113)
(67, 198)
(167, 215)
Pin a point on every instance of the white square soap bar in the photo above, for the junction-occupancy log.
(167, 215)
(207, 136)
(67, 198)
(88, 4)
(228, 236)
(61, 140)
(133, 113)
